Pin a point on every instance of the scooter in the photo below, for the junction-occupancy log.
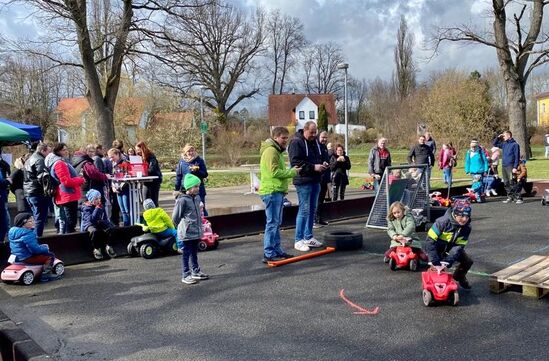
(149, 245)
(403, 257)
(439, 286)
(28, 273)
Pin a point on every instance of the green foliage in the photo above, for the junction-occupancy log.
(322, 123)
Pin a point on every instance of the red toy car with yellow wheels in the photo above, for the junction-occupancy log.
(403, 257)
(439, 286)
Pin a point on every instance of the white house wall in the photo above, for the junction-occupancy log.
(308, 107)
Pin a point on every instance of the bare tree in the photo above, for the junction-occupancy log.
(286, 41)
(212, 46)
(357, 91)
(320, 68)
(519, 50)
(405, 74)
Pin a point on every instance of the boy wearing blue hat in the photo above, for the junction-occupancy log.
(447, 238)
(96, 222)
(186, 215)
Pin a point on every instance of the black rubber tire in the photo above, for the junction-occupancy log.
(392, 264)
(148, 251)
(343, 240)
(414, 265)
(173, 247)
(453, 298)
(202, 246)
(132, 252)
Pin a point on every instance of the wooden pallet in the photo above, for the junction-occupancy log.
(530, 276)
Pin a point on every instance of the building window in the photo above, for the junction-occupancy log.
(301, 114)
(312, 114)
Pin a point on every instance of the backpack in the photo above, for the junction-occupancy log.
(50, 183)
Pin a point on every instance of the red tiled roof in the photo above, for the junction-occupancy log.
(282, 107)
(183, 119)
(71, 110)
(541, 95)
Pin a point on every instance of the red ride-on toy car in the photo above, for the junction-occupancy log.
(28, 273)
(209, 239)
(439, 286)
(438, 200)
(403, 257)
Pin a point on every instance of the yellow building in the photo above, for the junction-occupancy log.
(542, 109)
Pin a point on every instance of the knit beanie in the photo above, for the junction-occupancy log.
(92, 194)
(21, 219)
(148, 204)
(190, 181)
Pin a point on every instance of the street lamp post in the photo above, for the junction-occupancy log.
(345, 66)
(202, 125)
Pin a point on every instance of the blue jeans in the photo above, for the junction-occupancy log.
(124, 204)
(170, 232)
(40, 206)
(307, 195)
(60, 219)
(190, 251)
(273, 214)
(447, 172)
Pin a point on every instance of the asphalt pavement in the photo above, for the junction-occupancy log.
(137, 309)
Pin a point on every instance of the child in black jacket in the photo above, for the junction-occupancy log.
(339, 165)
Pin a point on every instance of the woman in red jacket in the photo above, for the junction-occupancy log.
(68, 193)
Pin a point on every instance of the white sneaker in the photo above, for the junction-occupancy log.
(301, 246)
(189, 280)
(493, 192)
(313, 243)
(487, 193)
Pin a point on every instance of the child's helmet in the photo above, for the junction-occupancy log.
(462, 207)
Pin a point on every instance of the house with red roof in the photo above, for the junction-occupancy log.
(76, 123)
(294, 110)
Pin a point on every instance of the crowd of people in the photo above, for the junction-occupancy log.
(93, 182)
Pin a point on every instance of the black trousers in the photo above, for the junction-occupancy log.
(115, 210)
(321, 198)
(71, 215)
(98, 237)
(464, 265)
(338, 189)
(151, 190)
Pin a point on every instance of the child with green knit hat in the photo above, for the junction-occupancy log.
(186, 215)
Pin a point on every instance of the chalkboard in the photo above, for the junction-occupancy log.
(405, 183)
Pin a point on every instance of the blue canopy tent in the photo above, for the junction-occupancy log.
(34, 131)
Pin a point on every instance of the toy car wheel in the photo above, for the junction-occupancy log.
(147, 251)
(174, 248)
(543, 202)
(27, 278)
(392, 264)
(386, 259)
(202, 246)
(413, 265)
(132, 252)
(427, 298)
(453, 298)
(58, 269)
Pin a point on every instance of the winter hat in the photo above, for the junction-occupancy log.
(191, 181)
(462, 207)
(148, 204)
(21, 219)
(92, 194)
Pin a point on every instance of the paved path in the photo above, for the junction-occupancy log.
(136, 309)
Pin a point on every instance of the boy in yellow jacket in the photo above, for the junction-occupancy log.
(157, 220)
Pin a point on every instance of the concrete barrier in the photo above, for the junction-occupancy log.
(16, 345)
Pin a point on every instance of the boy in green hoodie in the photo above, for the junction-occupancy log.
(274, 186)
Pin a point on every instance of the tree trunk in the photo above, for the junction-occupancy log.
(517, 117)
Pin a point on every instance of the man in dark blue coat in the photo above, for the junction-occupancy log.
(510, 160)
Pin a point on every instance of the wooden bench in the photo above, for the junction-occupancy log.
(530, 276)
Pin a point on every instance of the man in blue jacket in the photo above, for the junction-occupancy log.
(305, 152)
(510, 160)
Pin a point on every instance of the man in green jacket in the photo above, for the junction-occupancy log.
(274, 185)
